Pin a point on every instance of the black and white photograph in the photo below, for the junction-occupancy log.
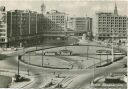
(63, 44)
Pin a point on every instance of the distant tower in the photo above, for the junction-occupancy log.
(43, 8)
(115, 10)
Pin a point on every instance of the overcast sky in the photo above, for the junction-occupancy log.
(71, 7)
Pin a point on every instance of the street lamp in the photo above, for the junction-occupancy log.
(107, 57)
(18, 75)
(87, 51)
(100, 59)
(36, 32)
(42, 58)
(94, 70)
(19, 58)
(112, 46)
(28, 63)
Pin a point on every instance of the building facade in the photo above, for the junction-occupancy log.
(3, 25)
(58, 20)
(24, 27)
(111, 25)
(81, 25)
(19, 26)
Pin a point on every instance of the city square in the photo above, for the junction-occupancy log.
(63, 45)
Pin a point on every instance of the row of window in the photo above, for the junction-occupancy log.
(56, 17)
(2, 30)
(111, 28)
(108, 35)
(103, 20)
(105, 17)
(2, 34)
(111, 25)
(2, 40)
(102, 31)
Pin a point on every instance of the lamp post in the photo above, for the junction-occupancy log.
(36, 31)
(87, 51)
(112, 46)
(42, 58)
(18, 74)
(29, 27)
(19, 58)
(107, 57)
(28, 63)
(100, 59)
(94, 70)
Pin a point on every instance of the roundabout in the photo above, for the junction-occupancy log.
(82, 57)
(80, 63)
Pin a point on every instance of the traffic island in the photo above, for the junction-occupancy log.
(19, 78)
(21, 82)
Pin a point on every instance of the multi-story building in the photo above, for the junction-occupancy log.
(58, 18)
(111, 25)
(17, 26)
(23, 27)
(3, 25)
(81, 25)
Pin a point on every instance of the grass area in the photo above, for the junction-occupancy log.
(3, 56)
(49, 61)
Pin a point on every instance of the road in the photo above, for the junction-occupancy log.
(84, 77)
(84, 80)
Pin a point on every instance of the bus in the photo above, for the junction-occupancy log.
(50, 53)
(65, 52)
(103, 52)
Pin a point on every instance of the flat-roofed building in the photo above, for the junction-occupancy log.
(58, 18)
(111, 24)
(80, 25)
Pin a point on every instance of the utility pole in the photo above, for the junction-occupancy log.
(36, 32)
(107, 58)
(87, 51)
(28, 63)
(112, 46)
(94, 70)
(100, 59)
(29, 27)
(19, 58)
(42, 58)
(18, 73)
(10, 27)
(21, 30)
